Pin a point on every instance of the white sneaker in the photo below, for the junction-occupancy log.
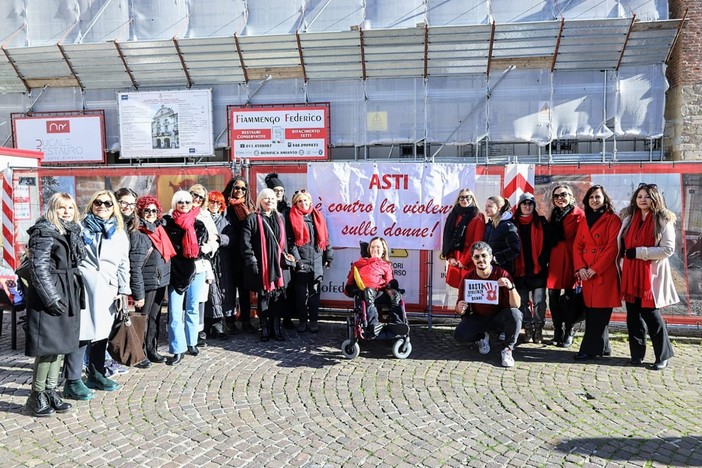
(507, 359)
(484, 344)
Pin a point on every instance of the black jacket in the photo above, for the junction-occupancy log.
(54, 277)
(504, 240)
(251, 249)
(308, 257)
(182, 269)
(155, 271)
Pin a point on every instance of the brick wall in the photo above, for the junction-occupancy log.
(683, 133)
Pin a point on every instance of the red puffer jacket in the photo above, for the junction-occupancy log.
(375, 272)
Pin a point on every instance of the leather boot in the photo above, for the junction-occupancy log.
(98, 381)
(277, 330)
(265, 332)
(538, 335)
(38, 405)
(57, 402)
(557, 334)
(76, 390)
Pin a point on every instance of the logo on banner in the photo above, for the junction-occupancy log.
(58, 126)
(481, 292)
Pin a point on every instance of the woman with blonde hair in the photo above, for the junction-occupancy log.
(266, 262)
(56, 249)
(563, 226)
(647, 241)
(308, 238)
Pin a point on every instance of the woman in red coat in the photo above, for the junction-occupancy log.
(464, 226)
(563, 225)
(594, 257)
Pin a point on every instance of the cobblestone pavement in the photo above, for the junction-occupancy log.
(299, 403)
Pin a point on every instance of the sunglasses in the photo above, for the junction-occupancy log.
(125, 204)
(99, 203)
(648, 186)
(184, 202)
(479, 256)
(560, 195)
(214, 202)
(465, 197)
(240, 189)
(300, 191)
(150, 211)
(196, 196)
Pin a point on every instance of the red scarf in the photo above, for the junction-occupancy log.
(636, 274)
(240, 209)
(161, 241)
(302, 235)
(186, 221)
(272, 259)
(537, 244)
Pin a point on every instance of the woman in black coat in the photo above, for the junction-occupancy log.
(308, 239)
(501, 233)
(220, 285)
(56, 249)
(239, 206)
(264, 246)
(155, 271)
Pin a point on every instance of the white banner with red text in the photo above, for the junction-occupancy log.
(404, 203)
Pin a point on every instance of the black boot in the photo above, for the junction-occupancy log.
(557, 334)
(265, 335)
(539, 335)
(277, 330)
(57, 402)
(38, 405)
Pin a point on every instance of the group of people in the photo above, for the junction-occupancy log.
(210, 251)
(605, 256)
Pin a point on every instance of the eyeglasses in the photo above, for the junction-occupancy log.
(196, 196)
(560, 195)
(184, 202)
(99, 203)
(465, 197)
(479, 256)
(279, 190)
(148, 211)
(125, 204)
(649, 186)
(240, 189)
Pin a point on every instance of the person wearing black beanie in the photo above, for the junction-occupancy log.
(274, 183)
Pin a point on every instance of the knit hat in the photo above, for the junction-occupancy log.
(527, 197)
(272, 181)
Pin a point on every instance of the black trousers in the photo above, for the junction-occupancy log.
(73, 362)
(306, 296)
(558, 315)
(638, 320)
(153, 302)
(473, 326)
(244, 304)
(596, 338)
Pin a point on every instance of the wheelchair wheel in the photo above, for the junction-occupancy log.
(402, 348)
(350, 351)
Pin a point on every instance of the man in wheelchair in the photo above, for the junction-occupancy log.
(371, 279)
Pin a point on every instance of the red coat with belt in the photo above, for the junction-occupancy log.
(596, 248)
(561, 274)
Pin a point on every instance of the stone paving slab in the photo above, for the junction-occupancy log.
(300, 403)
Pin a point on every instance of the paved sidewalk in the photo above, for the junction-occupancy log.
(299, 403)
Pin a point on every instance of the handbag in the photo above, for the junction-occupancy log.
(574, 306)
(126, 341)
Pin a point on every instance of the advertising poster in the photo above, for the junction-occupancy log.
(404, 203)
(165, 124)
(284, 132)
(67, 139)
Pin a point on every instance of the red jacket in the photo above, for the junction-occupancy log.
(561, 274)
(596, 248)
(475, 231)
(375, 272)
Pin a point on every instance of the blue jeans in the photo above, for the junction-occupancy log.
(183, 324)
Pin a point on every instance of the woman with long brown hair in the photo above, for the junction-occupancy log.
(647, 241)
(594, 260)
(464, 226)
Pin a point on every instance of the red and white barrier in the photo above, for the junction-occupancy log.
(8, 220)
(519, 179)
